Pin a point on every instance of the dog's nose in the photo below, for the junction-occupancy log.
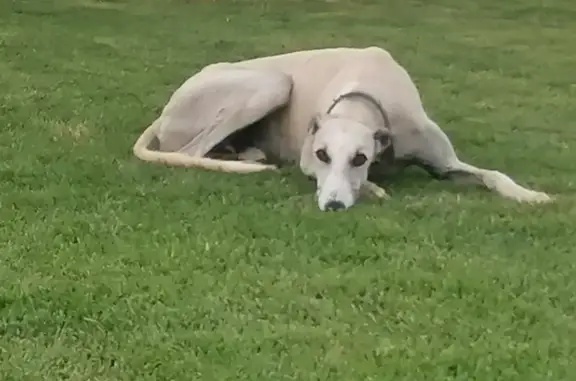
(335, 205)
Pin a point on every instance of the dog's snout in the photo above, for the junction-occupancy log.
(335, 205)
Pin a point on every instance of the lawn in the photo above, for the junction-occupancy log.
(114, 269)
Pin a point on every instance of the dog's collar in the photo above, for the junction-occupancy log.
(366, 96)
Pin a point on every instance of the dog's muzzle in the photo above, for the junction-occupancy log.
(334, 205)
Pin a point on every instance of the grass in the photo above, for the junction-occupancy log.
(112, 269)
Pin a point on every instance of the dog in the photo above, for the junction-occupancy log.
(335, 112)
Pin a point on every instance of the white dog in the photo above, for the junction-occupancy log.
(336, 112)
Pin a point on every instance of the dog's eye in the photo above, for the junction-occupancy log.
(322, 155)
(358, 160)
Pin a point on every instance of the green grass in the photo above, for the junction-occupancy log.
(114, 269)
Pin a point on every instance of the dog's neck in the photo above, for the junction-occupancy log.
(358, 109)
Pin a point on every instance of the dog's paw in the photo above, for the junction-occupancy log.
(380, 193)
(374, 190)
(533, 197)
(252, 154)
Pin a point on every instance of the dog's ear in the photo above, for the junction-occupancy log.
(314, 124)
(383, 139)
(383, 164)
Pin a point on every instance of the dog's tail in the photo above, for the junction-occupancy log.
(141, 150)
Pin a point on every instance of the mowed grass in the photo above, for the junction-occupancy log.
(114, 269)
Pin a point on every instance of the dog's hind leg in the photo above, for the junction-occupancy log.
(209, 107)
(219, 102)
(433, 151)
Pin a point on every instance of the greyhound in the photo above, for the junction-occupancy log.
(335, 111)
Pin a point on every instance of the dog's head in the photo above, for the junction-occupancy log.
(343, 151)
